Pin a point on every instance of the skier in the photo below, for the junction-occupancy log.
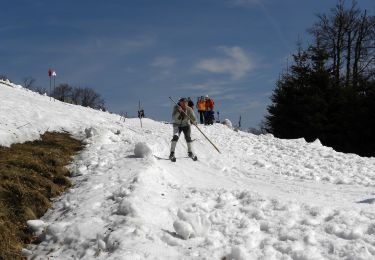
(181, 123)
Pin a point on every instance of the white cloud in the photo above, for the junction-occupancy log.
(252, 104)
(237, 63)
(163, 62)
(118, 46)
(211, 88)
(245, 104)
(98, 46)
(165, 67)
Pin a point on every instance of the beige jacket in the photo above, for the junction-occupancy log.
(180, 119)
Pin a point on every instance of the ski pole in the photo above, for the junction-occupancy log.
(139, 112)
(197, 126)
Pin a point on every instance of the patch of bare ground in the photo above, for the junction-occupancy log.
(31, 174)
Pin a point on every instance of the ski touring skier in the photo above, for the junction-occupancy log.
(182, 118)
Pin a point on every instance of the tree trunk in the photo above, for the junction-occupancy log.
(348, 57)
(358, 50)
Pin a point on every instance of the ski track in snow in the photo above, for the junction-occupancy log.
(262, 198)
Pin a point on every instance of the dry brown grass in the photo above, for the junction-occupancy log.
(30, 175)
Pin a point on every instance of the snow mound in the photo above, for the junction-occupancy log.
(142, 150)
(191, 224)
(317, 143)
(127, 208)
(36, 225)
(90, 132)
(228, 123)
(184, 229)
(238, 253)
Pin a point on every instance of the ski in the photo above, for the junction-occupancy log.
(174, 159)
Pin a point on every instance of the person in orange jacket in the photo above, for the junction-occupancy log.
(209, 104)
(201, 106)
(209, 115)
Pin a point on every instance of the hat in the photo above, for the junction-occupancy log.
(206, 96)
(182, 100)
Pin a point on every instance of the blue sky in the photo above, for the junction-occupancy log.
(148, 50)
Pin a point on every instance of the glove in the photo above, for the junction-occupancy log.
(181, 116)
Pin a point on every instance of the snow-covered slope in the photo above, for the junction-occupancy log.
(262, 198)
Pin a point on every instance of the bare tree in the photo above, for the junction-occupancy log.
(348, 36)
(63, 92)
(28, 82)
(77, 95)
(40, 90)
(351, 22)
(86, 97)
(92, 99)
(364, 50)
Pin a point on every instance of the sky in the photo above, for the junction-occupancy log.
(149, 50)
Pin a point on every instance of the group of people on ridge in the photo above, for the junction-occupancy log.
(205, 107)
(182, 118)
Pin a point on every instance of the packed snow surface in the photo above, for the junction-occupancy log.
(261, 198)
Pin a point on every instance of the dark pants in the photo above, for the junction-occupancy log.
(177, 131)
(209, 117)
(201, 116)
(176, 134)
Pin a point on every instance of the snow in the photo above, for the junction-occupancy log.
(183, 228)
(238, 253)
(36, 225)
(191, 224)
(228, 123)
(142, 150)
(261, 198)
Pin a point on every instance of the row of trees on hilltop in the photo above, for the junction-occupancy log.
(86, 97)
(83, 96)
(329, 90)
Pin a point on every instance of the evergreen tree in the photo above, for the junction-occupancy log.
(329, 91)
(286, 117)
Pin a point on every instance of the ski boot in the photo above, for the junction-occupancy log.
(192, 156)
(172, 157)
